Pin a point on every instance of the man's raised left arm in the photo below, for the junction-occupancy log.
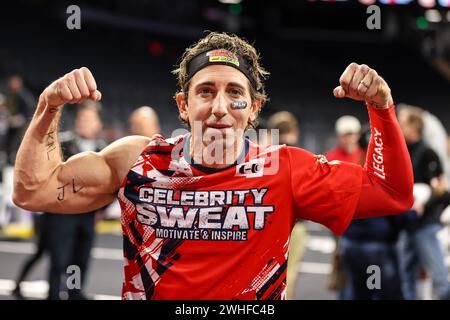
(387, 183)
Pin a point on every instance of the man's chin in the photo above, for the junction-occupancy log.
(226, 141)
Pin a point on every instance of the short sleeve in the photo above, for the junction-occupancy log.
(324, 192)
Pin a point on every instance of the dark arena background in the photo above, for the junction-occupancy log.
(131, 47)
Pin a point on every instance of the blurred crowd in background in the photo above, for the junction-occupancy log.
(132, 60)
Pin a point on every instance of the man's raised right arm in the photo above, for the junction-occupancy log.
(86, 181)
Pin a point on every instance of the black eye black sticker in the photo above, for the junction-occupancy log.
(239, 104)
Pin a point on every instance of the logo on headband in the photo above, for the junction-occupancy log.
(222, 55)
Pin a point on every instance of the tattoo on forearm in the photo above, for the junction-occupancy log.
(53, 110)
(61, 193)
(50, 143)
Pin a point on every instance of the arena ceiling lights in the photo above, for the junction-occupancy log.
(423, 3)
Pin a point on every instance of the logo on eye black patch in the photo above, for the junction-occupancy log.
(239, 104)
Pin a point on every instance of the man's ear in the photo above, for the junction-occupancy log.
(255, 107)
(182, 105)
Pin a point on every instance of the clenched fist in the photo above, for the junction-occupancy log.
(74, 87)
(361, 83)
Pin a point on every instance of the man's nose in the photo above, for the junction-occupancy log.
(220, 105)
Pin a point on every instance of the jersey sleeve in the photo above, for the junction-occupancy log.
(324, 192)
(388, 176)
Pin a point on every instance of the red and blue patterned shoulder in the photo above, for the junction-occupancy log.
(160, 145)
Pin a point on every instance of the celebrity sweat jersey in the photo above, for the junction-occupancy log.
(191, 232)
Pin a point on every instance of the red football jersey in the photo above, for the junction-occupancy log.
(192, 232)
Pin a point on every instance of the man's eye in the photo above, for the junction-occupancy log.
(235, 92)
(205, 91)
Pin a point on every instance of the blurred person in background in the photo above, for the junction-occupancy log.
(289, 134)
(371, 242)
(20, 104)
(71, 237)
(347, 129)
(18, 108)
(41, 233)
(420, 247)
(288, 127)
(144, 121)
(435, 137)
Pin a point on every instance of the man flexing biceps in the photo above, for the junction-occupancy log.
(86, 181)
(191, 227)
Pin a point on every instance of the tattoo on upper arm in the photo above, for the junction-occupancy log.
(60, 196)
(75, 189)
